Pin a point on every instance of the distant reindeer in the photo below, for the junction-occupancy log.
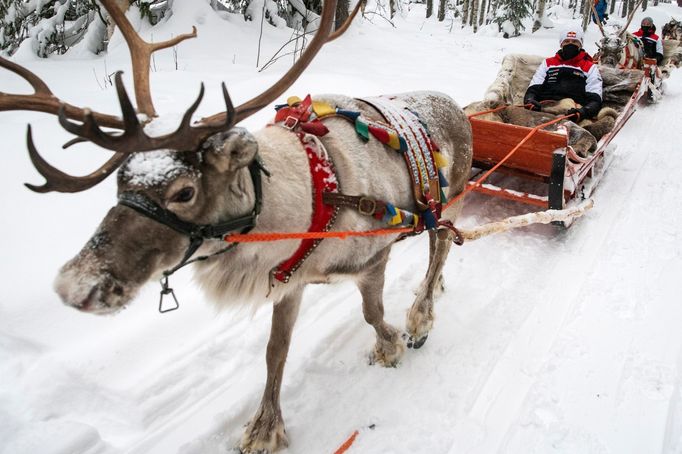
(618, 49)
(672, 30)
(208, 181)
(672, 43)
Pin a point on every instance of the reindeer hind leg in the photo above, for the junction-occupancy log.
(420, 316)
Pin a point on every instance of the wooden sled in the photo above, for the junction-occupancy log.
(546, 158)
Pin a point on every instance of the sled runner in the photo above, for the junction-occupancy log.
(564, 177)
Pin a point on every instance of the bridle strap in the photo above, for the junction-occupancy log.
(197, 233)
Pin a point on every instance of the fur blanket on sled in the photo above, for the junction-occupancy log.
(512, 81)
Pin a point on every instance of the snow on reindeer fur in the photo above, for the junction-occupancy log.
(152, 168)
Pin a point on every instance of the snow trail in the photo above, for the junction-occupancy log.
(544, 341)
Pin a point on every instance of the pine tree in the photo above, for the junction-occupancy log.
(511, 14)
(54, 26)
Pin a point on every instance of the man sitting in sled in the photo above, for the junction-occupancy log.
(569, 74)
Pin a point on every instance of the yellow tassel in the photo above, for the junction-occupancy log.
(322, 109)
(397, 219)
(394, 141)
(291, 100)
(415, 222)
(441, 161)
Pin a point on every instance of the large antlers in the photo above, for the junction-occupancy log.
(186, 137)
(133, 138)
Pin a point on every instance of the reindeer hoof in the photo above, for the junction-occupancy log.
(388, 353)
(264, 435)
(412, 343)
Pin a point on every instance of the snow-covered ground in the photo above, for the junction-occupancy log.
(545, 340)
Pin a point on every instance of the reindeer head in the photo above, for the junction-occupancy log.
(175, 190)
(672, 30)
(611, 50)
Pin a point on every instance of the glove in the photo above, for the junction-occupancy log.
(577, 114)
(533, 105)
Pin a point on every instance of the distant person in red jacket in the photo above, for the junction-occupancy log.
(569, 74)
(653, 45)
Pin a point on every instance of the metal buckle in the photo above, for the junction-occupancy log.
(290, 122)
(373, 205)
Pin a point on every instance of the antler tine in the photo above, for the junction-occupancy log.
(43, 100)
(140, 54)
(255, 104)
(134, 139)
(342, 29)
(630, 17)
(56, 180)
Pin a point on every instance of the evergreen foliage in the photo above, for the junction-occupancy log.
(54, 26)
(511, 14)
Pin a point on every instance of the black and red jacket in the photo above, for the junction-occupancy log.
(577, 78)
(653, 46)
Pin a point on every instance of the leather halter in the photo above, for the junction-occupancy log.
(197, 233)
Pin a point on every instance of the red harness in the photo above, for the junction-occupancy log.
(323, 180)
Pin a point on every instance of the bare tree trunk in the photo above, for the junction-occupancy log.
(539, 15)
(613, 7)
(465, 12)
(391, 7)
(587, 13)
(441, 10)
(473, 19)
(429, 8)
(481, 16)
(645, 3)
(341, 13)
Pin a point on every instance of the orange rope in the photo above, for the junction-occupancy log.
(347, 444)
(488, 111)
(278, 236)
(478, 182)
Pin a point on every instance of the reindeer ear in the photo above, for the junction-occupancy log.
(231, 150)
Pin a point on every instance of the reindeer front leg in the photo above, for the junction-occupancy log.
(265, 433)
(389, 347)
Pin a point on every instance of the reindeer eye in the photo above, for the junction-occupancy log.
(183, 195)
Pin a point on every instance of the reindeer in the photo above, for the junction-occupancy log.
(618, 49)
(214, 181)
(672, 30)
(621, 50)
(672, 43)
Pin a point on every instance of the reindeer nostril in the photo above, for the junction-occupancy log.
(117, 290)
(87, 303)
